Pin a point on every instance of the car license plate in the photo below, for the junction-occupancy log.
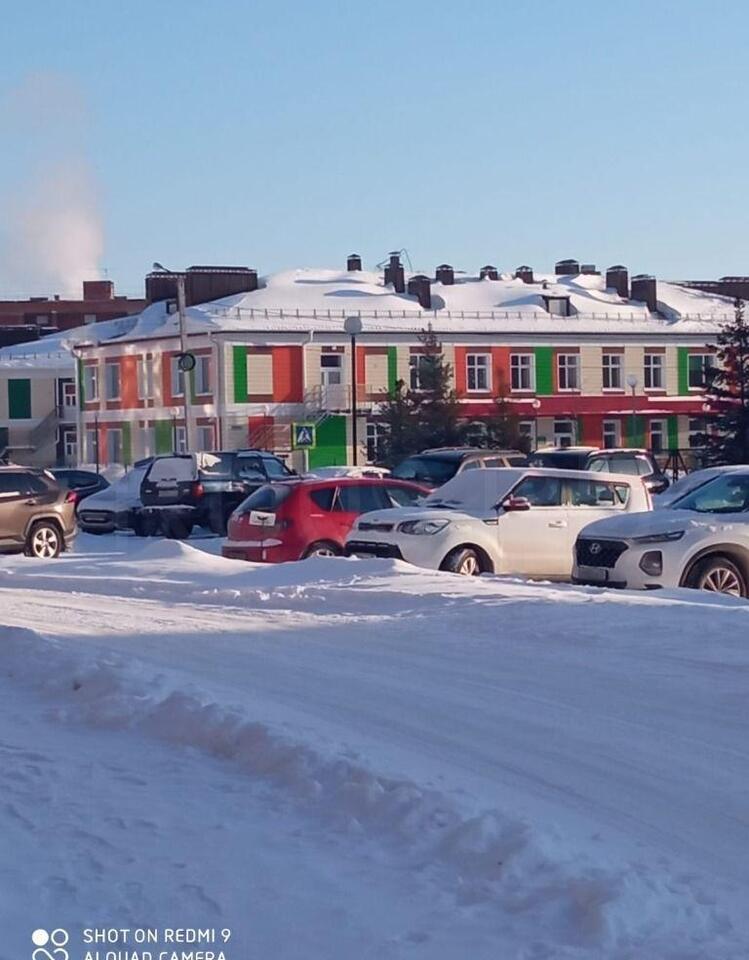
(599, 574)
(258, 518)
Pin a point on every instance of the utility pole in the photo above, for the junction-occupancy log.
(184, 368)
(353, 326)
(632, 384)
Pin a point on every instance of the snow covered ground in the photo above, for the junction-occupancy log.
(342, 759)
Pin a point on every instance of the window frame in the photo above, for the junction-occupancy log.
(109, 366)
(704, 357)
(202, 370)
(564, 366)
(91, 382)
(608, 368)
(617, 433)
(517, 366)
(177, 377)
(473, 366)
(648, 369)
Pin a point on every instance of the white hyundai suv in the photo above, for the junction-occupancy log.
(505, 520)
(701, 540)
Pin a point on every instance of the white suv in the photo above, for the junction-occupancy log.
(702, 541)
(522, 521)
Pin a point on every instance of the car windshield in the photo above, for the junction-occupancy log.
(432, 470)
(268, 497)
(276, 468)
(726, 494)
(559, 459)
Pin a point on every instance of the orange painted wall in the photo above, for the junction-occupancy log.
(500, 370)
(288, 377)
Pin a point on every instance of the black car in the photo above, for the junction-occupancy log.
(635, 462)
(432, 468)
(182, 490)
(562, 458)
(82, 482)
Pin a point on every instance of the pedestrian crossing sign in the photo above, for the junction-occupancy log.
(304, 436)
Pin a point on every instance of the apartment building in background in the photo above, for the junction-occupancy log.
(582, 357)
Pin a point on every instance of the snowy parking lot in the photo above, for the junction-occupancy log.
(344, 758)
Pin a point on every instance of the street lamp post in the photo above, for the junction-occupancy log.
(184, 366)
(632, 384)
(353, 327)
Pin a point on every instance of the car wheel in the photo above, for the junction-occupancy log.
(44, 542)
(719, 575)
(464, 561)
(177, 528)
(323, 548)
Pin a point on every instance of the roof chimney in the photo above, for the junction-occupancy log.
(418, 286)
(644, 289)
(588, 268)
(213, 283)
(489, 273)
(353, 262)
(98, 290)
(617, 278)
(525, 274)
(394, 273)
(445, 274)
(566, 268)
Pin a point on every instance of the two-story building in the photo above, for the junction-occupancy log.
(582, 357)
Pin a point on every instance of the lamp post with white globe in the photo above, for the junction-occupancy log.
(353, 326)
(632, 382)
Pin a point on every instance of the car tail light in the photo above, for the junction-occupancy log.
(198, 489)
(71, 497)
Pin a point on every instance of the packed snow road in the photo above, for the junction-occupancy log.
(517, 770)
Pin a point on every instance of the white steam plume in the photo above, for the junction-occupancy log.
(52, 237)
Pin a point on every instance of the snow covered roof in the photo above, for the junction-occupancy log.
(318, 300)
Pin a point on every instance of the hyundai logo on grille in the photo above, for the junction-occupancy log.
(595, 549)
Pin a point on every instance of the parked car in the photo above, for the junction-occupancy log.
(84, 482)
(37, 515)
(432, 468)
(184, 490)
(365, 470)
(701, 540)
(522, 521)
(561, 458)
(637, 462)
(302, 518)
(689, 482)
(112, 509)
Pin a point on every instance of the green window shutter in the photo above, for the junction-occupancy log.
(81, 391)
(239, 355)
(331, 449)
(673, 432)
(19, 399)
(544, 371)
(392, 368)
(127, 445)
(635, 431)
(683, 368)
(163, 436)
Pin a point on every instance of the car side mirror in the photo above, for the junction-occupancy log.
(657, 486)
(514, 504)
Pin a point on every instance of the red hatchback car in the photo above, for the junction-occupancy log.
(295, 519)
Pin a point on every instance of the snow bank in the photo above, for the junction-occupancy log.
(560, 901)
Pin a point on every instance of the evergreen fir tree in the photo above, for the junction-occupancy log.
(727, 395)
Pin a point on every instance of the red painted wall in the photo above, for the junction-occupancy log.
(287, 375)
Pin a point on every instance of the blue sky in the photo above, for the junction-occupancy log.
(284, 133)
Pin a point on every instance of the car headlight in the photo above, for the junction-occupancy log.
(660, 537)
(422, 526)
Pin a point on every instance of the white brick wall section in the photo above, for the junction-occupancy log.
(634, 360)
(591, 376)
(259, 373)
(376, 371)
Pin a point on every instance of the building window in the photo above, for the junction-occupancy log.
(698, 370)
(696, 431)
(522, 371)
(202, 375)
(70, 446)
(418, 364)
(376, 433)
(564, 433)
(612, 434)
(612, 371)
(204, 437)
(568, 370)
(114, 445)
(477, 371)
(558, 306)
(91, 382)
(330, 369)
(112, 382)
(178, 377)
(69, 394)
(180, 440)
(92, 452)
(657, 436)
(145, 378)
(653, 371)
